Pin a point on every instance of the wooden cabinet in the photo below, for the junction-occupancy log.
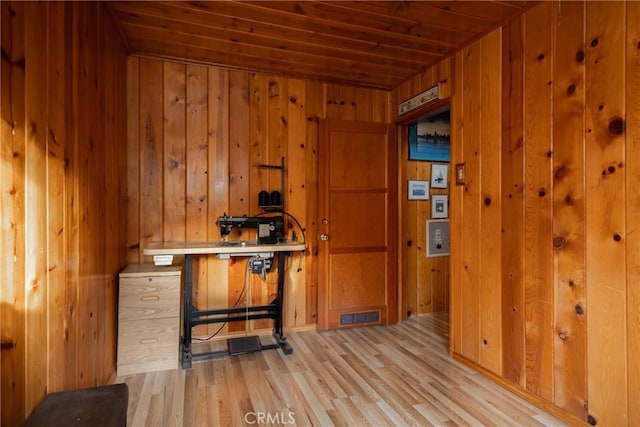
(148, 319)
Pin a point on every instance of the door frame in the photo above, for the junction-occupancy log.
(402, 123)
(392, 301)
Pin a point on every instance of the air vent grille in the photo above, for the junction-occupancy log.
(356, 318)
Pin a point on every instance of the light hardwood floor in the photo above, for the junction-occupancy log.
(384, 375)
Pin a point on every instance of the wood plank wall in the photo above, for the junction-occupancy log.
(196, 138)
(62, 199)
(425, 281)
(545, 251)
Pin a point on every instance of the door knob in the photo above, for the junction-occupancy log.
(324, 236)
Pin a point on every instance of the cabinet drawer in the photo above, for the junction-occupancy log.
(149, 298)
(148, 345)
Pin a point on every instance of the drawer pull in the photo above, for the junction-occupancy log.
(149, 341)
(150, 298)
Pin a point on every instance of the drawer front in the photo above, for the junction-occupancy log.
(148, 345)
(149, 298)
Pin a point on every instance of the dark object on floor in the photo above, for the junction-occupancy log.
(243, 345)
(93, 407)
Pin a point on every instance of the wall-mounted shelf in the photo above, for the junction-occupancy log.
(280, 207)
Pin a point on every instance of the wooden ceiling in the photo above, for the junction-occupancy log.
(375, 44)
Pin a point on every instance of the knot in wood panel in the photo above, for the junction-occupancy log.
(617, 126)
(580, 56)
(579, 309)
(561, 172)
(172, 164)
(559, 242)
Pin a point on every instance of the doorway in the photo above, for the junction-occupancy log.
(424, 163)
(357, 224)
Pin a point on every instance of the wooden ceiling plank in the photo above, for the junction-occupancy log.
(280, 14)
(422, 13)
(368, 43)
(489, 11)
(234, 17)
(401, 58)
(138, 31)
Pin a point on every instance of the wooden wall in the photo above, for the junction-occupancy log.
(545, 250)
(425, 281)
(196, 138)
(62, 199)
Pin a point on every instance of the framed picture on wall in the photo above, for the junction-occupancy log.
(439, 206)
(439, 176)
(418, 190)
(429, 138)
(437, 237)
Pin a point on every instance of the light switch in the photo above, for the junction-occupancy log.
(461, 174)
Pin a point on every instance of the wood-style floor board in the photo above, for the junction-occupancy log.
(383, 375)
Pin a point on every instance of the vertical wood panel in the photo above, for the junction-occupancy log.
(457, 207)
(348, 105)
(365, 107)
(89, 203)
(36, 202)
(133, 161)
(470, 248)
(570, 356)
(174, 175)
(314, 108)
(425, 266)
(196, 174)
(297, 194)
(56, 146)
(239, 176)
(605, 219)
(218, 190)
(490, 213)
(445, 77)
(12, 212)
(113, 77)
(100, 294)
(538, 198)
(151, 143)
(259, 147)
(513, 321)
(333, 100)
(73, 216)
(277, 124)
(632, 185)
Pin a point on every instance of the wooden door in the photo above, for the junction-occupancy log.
(357, 224)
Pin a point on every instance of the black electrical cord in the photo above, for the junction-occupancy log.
(235, 304)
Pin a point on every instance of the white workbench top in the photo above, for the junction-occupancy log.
(233, 247)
